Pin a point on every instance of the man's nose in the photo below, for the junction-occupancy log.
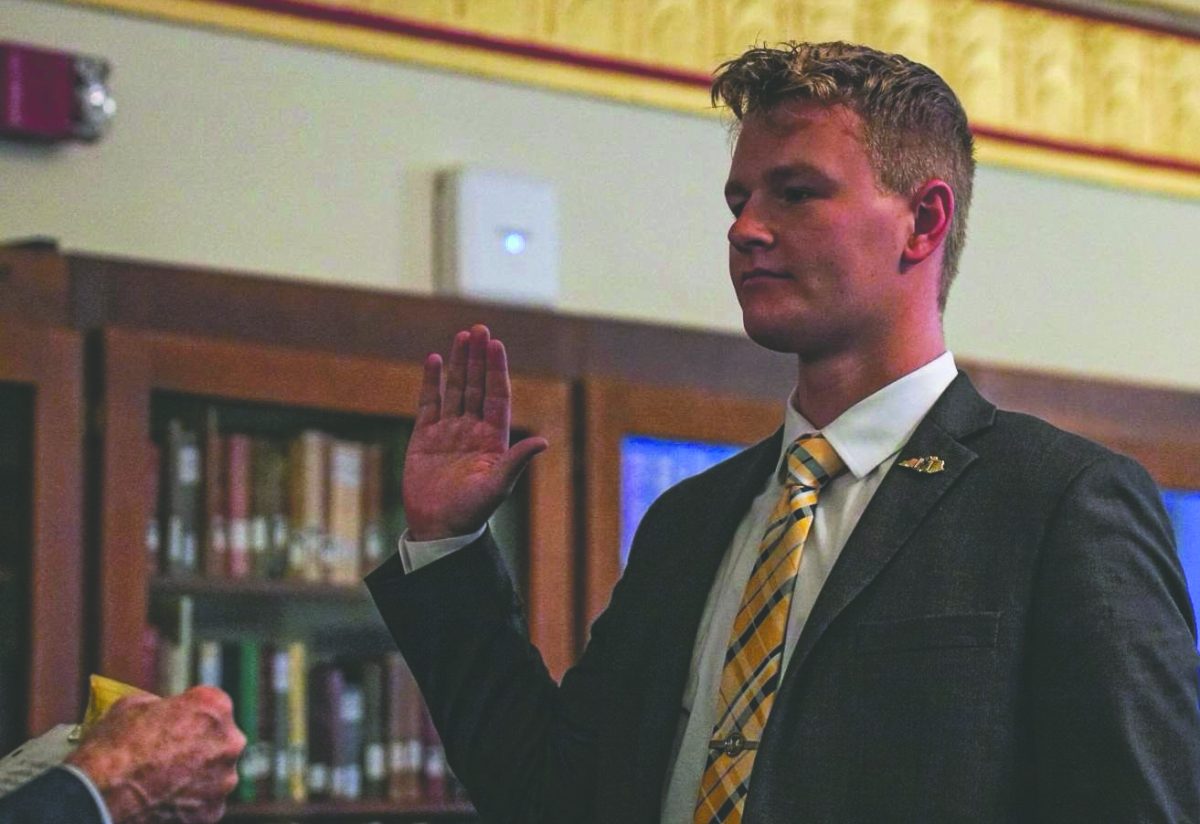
(749, 231)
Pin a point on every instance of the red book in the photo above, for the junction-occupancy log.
(402, 726)
(433, 769)
(237, 490)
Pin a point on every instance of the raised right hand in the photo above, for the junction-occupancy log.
(459, 467)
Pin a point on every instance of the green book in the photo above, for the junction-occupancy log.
(245, 683)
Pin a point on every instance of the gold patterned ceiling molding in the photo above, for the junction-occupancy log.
(1056, 92)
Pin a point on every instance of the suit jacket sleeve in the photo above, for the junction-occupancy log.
(55, 797)
(524, 746)
(1113, 667)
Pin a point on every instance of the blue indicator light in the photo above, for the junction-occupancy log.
(514, 243)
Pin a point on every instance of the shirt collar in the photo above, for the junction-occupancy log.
(875, 428)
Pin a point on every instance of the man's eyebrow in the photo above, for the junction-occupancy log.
(781, 174)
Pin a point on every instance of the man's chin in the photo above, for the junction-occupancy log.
(777, 337)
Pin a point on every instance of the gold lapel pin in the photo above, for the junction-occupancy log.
(927, 465)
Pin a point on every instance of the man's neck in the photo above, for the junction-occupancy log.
(827, 387)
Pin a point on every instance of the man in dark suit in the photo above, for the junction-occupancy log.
(148, 760)
(904, 606)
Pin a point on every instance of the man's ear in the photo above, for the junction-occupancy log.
(933, 209)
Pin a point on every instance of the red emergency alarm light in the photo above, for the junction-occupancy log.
(52, 96)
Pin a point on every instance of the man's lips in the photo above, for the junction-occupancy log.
(760, 275)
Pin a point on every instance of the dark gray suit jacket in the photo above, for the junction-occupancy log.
(1009, 640)
(55, 797)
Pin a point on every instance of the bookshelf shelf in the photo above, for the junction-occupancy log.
(256, 588)
(352, 811)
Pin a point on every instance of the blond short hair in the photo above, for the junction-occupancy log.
(914, 126)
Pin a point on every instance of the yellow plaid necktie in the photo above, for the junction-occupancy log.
(754, 659)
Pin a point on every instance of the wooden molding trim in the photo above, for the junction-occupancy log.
(1052, 90)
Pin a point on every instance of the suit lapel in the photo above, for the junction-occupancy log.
(902, 501)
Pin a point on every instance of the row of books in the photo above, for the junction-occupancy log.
(325, 730)
(236, 505)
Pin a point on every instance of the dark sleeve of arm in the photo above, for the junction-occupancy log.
(523, 746)
(1114, 665)
(55, 797)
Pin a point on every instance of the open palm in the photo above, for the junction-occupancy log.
(459, 467)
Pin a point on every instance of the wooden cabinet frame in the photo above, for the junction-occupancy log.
(50, 361)
(612, 409)
(136, 364)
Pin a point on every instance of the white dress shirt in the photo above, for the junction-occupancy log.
(868, 437)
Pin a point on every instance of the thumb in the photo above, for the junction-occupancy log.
(518, 457)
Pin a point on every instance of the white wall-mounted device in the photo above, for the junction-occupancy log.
(496, 236)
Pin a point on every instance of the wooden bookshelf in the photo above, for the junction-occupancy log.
(46, 365)
(137, 369)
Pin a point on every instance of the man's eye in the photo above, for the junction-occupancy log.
(796, 195)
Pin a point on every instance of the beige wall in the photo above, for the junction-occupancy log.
(242, 153)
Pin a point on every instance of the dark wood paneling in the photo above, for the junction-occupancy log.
(34, 285)
(611, 409)
(392, 325)
(50, 360)
(1158, 427)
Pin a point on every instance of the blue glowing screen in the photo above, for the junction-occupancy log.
(649, 466)
(1183, 507)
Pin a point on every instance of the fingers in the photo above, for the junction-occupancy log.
(477, 367)
(519, 457)
(456, 375)
(429, 403)
(497, 401)
(212, 697)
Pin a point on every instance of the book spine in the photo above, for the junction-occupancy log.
(174, 619)
(216, 538)
(307, 483)
(265, 769)
(347, 771)
(281, 700)
(345, 512)
(261, 504)
(403, 726)
(154, 470)
(182, 491)
(374, 754)
(237, 490)
(433, 768)
(325, 687)
(297, 722)
(372, 508)
(208, 663)
(246, 710)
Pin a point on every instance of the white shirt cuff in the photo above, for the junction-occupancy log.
(91, 788)
(417, 554)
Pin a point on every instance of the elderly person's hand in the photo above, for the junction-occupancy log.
(164, 759)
